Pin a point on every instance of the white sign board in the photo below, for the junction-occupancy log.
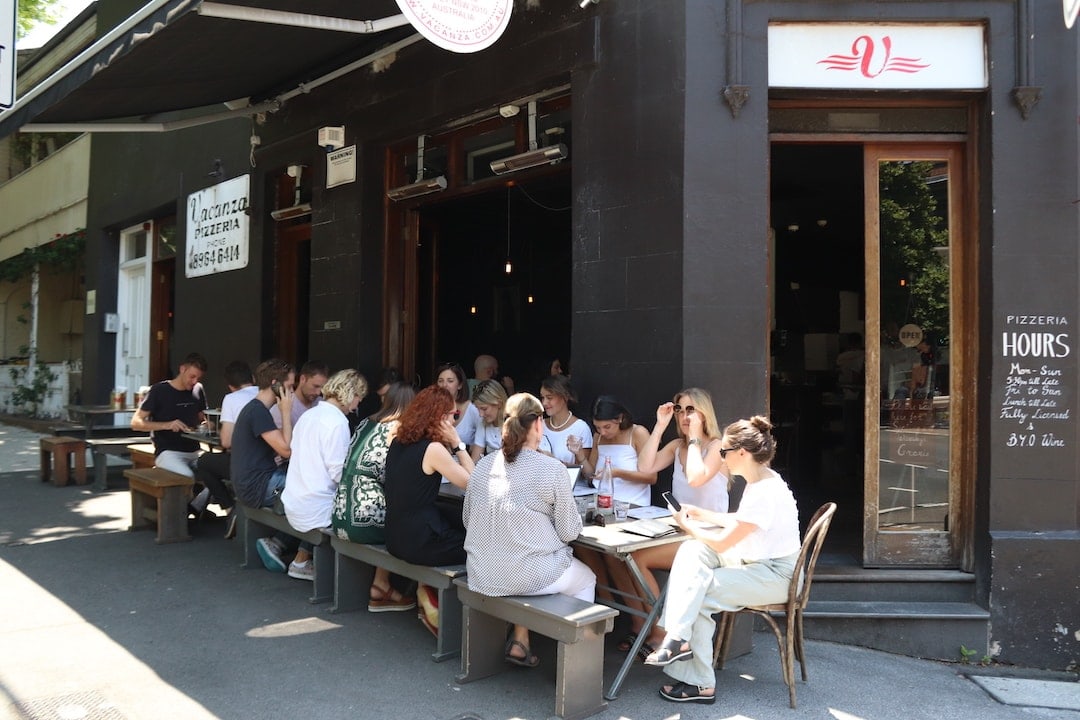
(877, 56)
(341, 166)
(217, 228)
(7, 53)
(461, 26)
(1071, 8)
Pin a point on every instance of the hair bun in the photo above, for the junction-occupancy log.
(761, 423)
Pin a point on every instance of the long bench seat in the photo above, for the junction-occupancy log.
(354, 573)
(262, 522)
(577, 626)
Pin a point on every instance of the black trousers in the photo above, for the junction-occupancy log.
(212, 470)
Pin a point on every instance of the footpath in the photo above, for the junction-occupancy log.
(99, 623)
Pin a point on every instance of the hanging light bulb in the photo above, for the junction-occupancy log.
(472, 310)
(530, 299)
(509, 265)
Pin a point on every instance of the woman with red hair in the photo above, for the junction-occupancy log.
(418, 529)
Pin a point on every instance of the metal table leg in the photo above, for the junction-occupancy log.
(657, 605)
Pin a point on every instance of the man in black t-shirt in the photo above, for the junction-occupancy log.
(171, 408)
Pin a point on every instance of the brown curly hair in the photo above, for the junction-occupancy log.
(422, 417)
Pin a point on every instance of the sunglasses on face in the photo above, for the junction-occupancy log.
(725, 451)
(679, 409)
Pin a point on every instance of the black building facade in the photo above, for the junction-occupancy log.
(720, 219)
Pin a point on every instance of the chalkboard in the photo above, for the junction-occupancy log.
(1037, 387)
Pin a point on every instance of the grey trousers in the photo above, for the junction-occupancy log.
(702, 583)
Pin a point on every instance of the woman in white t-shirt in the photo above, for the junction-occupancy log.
(732, 561)
(489, 397)
(562, 429)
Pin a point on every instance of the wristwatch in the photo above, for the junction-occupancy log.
(693, 441)
(460, 447)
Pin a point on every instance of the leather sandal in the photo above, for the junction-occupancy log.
(682, 692)
(529, 660)
(669, 651)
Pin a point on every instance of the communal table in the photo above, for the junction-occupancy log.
(611, 540)
(88, 415)
(212, 441)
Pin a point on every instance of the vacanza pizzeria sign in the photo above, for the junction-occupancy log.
(461, 26)
(217, 228)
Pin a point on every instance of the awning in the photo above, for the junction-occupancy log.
(176, 55)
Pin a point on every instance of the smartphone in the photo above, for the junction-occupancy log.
(670, 500)
(278, 390)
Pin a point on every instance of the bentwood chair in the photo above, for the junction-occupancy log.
(789, 641)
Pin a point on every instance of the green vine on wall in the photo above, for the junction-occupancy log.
(63, 253)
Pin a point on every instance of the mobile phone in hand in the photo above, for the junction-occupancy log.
(670, 500)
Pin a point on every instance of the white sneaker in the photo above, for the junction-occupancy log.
(270, 553)
(302, 571)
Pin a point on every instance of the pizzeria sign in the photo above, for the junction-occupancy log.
(218, 226)
(461, 26)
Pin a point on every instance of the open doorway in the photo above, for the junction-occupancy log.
(469, 304)
(817, 213)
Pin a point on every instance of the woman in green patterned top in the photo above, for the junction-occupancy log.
(360, 507)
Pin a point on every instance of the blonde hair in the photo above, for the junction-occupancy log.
(491, 392)
(702, 402)
(344, 386)
(522, 411)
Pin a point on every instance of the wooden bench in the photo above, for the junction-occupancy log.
(161, 497)
(262, 522)
(355, 563)
(56, 453)
(577, 626)
(120, 447)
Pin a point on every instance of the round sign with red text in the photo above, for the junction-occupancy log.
(461, 26)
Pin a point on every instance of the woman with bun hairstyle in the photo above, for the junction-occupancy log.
(520, 517)
(731, 561)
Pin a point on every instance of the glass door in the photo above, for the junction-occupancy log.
(915, 255)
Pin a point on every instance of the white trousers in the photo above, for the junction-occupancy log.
(181, 463)
(577, 581)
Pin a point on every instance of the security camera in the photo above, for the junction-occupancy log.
(332, 138)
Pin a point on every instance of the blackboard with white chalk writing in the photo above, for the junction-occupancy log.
(1036, 399)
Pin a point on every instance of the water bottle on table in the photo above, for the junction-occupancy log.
(605, 490)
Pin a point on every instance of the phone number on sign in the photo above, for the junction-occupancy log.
(211, 258)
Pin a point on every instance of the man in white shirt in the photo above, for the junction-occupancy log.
(212, 468)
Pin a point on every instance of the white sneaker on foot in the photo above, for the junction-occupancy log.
(302, 571)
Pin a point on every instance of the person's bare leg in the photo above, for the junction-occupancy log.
(302, 556)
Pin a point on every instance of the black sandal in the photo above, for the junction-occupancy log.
(680, 692)
(669, 651)
(529, 661)
(627, 642)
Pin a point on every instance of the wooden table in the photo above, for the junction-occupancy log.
(89, 414)
(610, 540)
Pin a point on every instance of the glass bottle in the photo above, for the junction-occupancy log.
(605, 491)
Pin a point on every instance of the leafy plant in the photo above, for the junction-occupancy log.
(65, 252)
(31, 391)
(967, 656)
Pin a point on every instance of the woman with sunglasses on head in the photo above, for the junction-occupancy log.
(418, 529)
(562, 429)
(699, 477)
(732, 561)
(489, 397)
(520, 515)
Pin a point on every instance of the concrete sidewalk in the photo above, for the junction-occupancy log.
(101, 623)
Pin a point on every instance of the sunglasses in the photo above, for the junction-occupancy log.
(594, 518)
(725, 451)
(679, 409)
